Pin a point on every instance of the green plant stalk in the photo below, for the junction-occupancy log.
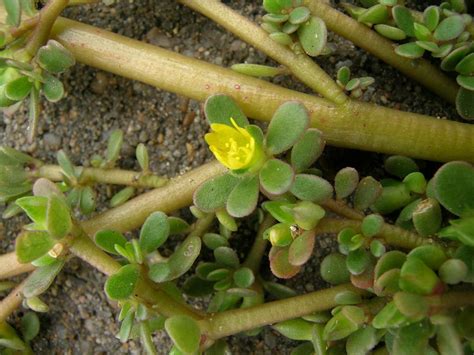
(11, 302)
(302, 66)
(392, 235)
(342, 209)
(354, 125)
(223, 324)
(105, 176)
(85, 249)
(259, 245)
(178, 193)
(362, 36)
(47, 17)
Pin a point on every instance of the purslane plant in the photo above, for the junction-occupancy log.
(383, 299)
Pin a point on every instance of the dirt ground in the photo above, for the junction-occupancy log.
(81, 320)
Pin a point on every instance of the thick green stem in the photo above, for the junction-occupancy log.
(202, 225)
(353, 125)
(47, 17)
(259, 245)
(302, 66)
(105, 176)
(10, 303)
(362, 36)
(176, 194)
(223, 324)
(342, 209)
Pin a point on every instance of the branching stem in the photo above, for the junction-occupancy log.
(302, 66)
(47, 17)
(362, 36)
(259, 245)
(105, 176)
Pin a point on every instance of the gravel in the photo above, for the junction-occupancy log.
(81, 319)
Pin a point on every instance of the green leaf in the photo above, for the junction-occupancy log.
(87, 200)
(10, 340)
(344, 323)
(299, 15)
(18, 89)
(106, 240)
(358, 261)
(311, 188)
(367, 192)
(278, 291)
(432, 255)
(412, 339)
(410, 50)
(395, 195)
(30, 326)
(390, 32)
(13, 8)
(54, 58)
(279, 235)
(461, 230)
(280, 210)
(307, 214)
(465, 103)
(307, 150)
(345, 182)
(275, 18)
(404, 20)
(179, 262)
(287, 126)
(313, 36)
(196, 287)
(276, 6)
(464, 67)
(429, 46)
(279, 264)
(427, 217)
(301, 248)
(454, 188)
(40, 280)
(431, 17)
(281, 38)
(450, 28)
(276, 177)
(53, 89)
(121, 285)
(213, 241)
(122, 196)
(184, 332)
(66, 165)
(374, 15)
(443, 50)
(344, 75)
(467, 82)
(394, 259)
(243, 199)
(213, 193)
(417, 277)
(177, 225)
(421, 32)
(289, 28)
(35, 207)
(334, 269)
(362, 341)
(227, 257)
(411, 305)
(448, 340)
(114, 145)
(10, 156)
(295, 329)
(372, 225)
(389, 317)
(244, 277)
(450, 62)
(256, 70)
(126, 326)
(453, 271)
(58, 218)
(31, 245)
(154, 232)
(415, 182)
(221, 108)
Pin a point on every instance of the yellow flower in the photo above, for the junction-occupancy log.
(233, 146)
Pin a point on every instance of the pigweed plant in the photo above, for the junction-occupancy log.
(401, 279)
